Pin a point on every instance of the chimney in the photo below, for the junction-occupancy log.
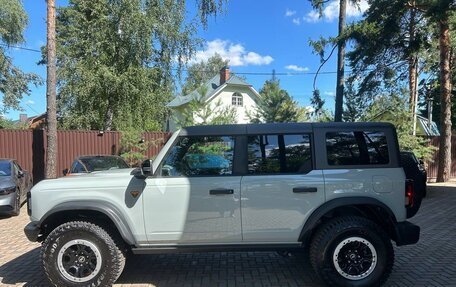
(224, 74)
(23, 118)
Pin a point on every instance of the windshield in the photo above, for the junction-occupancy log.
(5, 168)
(103, 163)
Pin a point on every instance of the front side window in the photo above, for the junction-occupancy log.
(236, 100)
(77, 168)
(274, 154)
(200, 156)
(357, 148)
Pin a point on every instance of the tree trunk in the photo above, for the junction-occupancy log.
(109, 116)
(51, 116)
(444, 170)
(340, 64)
(413, 70)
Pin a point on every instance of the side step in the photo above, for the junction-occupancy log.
(191, 248)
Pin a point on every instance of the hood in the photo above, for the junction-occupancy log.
(6, 181)
(106, 178)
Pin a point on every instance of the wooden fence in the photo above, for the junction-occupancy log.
(28, 147)
(433, 164)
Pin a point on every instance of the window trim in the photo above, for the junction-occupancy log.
(237, 98)
(312, 154)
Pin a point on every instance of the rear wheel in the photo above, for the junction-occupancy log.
(82, 254)
(352, 251)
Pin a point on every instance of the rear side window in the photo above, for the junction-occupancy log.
(274, 154)
(357, 148)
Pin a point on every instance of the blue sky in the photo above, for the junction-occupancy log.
(257, 36)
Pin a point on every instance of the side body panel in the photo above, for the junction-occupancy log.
(272, 212)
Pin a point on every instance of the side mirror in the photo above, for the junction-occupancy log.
(146, 167)
(65, 171)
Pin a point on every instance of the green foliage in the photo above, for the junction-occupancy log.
(13, 82)
(116, 60)
(12, 125)
(199, 73)
(200, 112)
(393, 108)
(133, 147)
(275, 105)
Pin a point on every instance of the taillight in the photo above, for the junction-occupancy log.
(409, 193)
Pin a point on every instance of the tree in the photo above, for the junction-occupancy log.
(199, 73)
(387, 50)
(13, 82)
(117, 60)
(51, 105)
(275, 105)
(340, 43)
(200, 112)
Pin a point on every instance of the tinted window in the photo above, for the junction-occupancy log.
(5, 168)
(77, 168)
(356, 148)
(103, 163)
(269, 154)
(196, 156)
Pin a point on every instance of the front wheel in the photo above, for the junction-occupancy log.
(352, 251)
(81, 254)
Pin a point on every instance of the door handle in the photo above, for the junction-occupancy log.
(220, 191)
(304, 189)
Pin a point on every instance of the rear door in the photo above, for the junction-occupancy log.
(281, 187)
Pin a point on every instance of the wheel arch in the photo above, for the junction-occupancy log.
(368, 207)
(101, 212)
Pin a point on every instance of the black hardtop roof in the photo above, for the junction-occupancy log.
(276, 128)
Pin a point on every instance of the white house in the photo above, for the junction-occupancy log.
(225, 88)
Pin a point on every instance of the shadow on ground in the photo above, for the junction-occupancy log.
(25, 269)
(219, 269)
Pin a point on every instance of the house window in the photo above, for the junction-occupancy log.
(236, 100)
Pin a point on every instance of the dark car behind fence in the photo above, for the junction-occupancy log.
(28, 147)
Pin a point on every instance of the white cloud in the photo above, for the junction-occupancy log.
(236, 54)
(297, 68)
(296, 21)
(329, 93)
(331, 11)
(30, 102)
(289, 13)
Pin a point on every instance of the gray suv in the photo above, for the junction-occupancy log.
(335, 188)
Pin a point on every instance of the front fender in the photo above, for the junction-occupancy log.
(107, 208)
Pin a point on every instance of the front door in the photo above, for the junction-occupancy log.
(281, 188)
(195, 197)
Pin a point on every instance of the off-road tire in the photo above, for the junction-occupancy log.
(338, 230)
(111, 251)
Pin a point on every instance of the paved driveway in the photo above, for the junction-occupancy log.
(429, 263)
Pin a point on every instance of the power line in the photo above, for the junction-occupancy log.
(236, 73)
(20, 48)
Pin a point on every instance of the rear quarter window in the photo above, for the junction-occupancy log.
(357, 148)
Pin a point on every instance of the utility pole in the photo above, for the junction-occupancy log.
(340, 64)
(51, 105)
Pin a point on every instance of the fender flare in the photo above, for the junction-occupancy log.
(318, 213)
(107, 208)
